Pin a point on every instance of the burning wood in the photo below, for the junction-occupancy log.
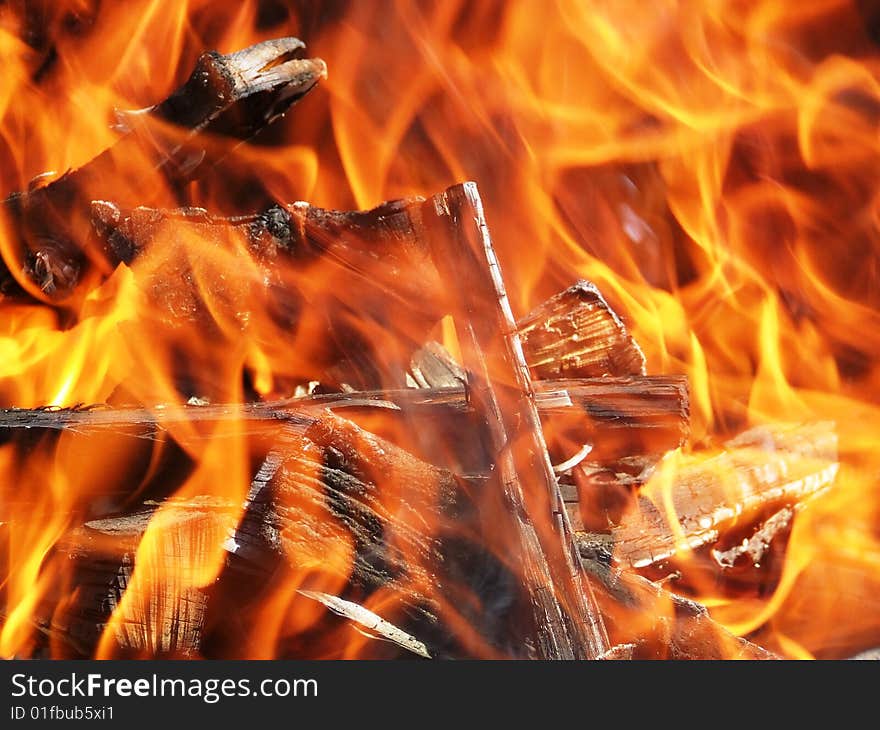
(320, 503)
(501, 524)
(502, 393)
(689, 501)
(577, 335)
(609, 405)
(237, 95)
(658, 623)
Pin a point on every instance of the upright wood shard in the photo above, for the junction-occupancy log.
(566, 618)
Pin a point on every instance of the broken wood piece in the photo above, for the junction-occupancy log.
(690, 500)
(759, 541)
(660, 624)
(567, 620)
(637, 416)
(235, 95)
(575, 334)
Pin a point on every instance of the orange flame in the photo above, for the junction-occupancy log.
(711, 166)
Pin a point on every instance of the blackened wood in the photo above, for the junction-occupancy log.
(756, 545)
(341, 277)
(338, 501)
(160, 611)
(329, 499)
(660, 624)
(237, 95)
(566, 617)
(762, 469)
(335, 485)
(575, 334)
(377, 243)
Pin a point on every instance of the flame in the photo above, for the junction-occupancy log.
(711, 166)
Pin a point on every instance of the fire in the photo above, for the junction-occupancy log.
(710, 166)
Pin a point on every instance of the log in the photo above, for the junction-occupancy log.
(566, 617)
(334, 486)
(234, 95)
(762, 469)
(330, 503)
(379, 243)
(331, 280)
(575, 334)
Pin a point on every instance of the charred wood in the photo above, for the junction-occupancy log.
(158, 612)
(660, 624)
(765, 468)
(756, 545)
(575, 334)
(502, 393)
(331, 502)
(235, 95)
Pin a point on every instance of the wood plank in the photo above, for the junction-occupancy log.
(764, 468)
(567, 620)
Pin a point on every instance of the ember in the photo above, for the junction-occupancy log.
(569, 355)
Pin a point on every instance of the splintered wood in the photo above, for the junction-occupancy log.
(691, 499)
(577, 335)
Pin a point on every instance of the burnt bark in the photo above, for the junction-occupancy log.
(161, 148)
